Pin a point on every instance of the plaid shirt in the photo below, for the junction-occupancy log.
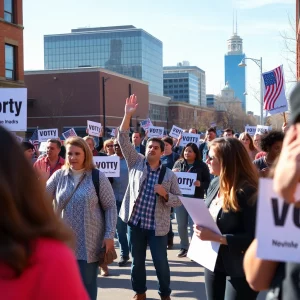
(144, 208)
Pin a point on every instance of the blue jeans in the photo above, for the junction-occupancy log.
(89, 273)
(184, 220)
(138, 239)
(122, 235)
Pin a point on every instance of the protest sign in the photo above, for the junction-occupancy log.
(175, 132)
(186, 182)
(43, 147)
(69, 133)
(113, 132)
(94, 128)
(45, 134)
(146, 124)
(189, 138)
(277, 225)
(109, 165)
(154, 131)
(250, 130)
(13, 108)
(261, 129)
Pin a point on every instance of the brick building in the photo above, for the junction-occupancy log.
(11, 44)
(68, 98)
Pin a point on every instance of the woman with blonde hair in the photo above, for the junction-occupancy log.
(108, 147)
(92, 219)
(231, 202)
(35, 259)
(248, 143)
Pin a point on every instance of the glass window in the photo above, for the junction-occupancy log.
(8, 11)
(10, 62)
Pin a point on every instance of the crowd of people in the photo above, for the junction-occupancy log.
(60, 214)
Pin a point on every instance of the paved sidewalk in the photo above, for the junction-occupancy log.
(187, 279)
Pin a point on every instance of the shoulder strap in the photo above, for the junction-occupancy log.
(96, 182)
(162, 174)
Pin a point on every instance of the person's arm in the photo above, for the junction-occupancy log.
(174, 200)
(259, 273)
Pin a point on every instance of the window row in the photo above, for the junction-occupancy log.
(10, 62)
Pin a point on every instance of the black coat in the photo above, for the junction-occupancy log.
(238, 227)
(202, 171)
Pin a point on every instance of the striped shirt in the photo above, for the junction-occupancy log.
(144, 208)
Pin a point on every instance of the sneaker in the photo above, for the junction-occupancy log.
(139, 297)
(182, 253)
(123, 261)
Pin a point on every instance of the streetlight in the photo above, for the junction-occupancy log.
(258, 62)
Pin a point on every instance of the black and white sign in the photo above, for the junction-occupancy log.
(175, 132)
(189, 138)
(46, 134)
(277, 225)
(13, 109)
(250, 130)
(261, 129)
(109, 165)
(94, 128)
(154, 131)
(186, 182)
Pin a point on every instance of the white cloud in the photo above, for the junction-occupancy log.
(246, 4)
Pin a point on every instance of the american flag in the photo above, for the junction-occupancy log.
(68, 133)
(34, 140)
(273, 86)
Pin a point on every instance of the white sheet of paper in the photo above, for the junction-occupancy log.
(186, 182)
(277, 229)
(204, 253)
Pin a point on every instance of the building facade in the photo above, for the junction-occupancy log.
(211, 100)
(68, 98)
(196, 73)
(123, 49)
(182, 87)
(11, 44)
(235, 75)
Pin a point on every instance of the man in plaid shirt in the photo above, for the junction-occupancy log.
(146, 207)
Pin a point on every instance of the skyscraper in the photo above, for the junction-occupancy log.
(235, 75)
(123, 49)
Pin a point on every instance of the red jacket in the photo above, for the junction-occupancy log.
(53, 274)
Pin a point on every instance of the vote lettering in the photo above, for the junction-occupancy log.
(94, 128)
(185, 181)
(107, 165)
(48, 132)
(11, 106)
(190, 139)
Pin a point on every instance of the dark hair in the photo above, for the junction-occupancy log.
(26, 146)
(157, 140)
(212, 129)
(168, 140)
(26, 212)
(195, 150)
(137, 133)
(55, 141)
(270, 139)
(229, 130)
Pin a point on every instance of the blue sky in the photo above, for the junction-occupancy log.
(192, 30)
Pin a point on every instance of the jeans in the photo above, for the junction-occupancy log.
(219, 286)
(184, 220)
(122, 234)
(89, 273)
(138, 239)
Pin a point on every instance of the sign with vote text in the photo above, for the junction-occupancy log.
(175, 132)
(154, 131)
(13, 109)
(250, 130)
(46, 134)
(186, 182)
(94, 128)
(189, 138)
(277, 225)
(109, 165)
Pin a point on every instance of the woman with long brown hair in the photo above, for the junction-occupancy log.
(248, 143)
(35, 259)
(231, 202)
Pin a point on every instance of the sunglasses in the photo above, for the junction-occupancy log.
(210, 158)
(109, 146)
(116, 145)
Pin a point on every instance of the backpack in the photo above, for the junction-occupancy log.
(96, 182)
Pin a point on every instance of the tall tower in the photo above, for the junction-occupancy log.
(235, 75)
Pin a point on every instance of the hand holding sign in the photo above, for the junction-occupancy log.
(131, 105)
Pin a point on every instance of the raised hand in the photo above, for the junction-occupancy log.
(131, 105)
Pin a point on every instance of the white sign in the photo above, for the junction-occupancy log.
(204, 253)
(109, 165)
(186, 182)
(13, 109)
(189, 138)
(94, 128)
(43, 147)
(113, 132)
(277, 225)
(46, 134)
(154, 131)
(250, 130)
(175, 132)
(146, 124)
(261, 129)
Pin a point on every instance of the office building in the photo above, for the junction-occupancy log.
(211, 100)
(126, 50)
(11, 44)
(235, 75)
(193, 75)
